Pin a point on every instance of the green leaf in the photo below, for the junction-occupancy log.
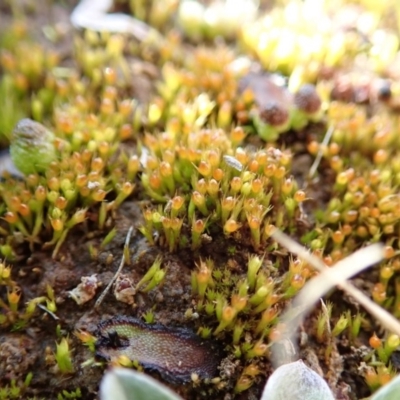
(295, 381)
(127, 384)
(391, 391)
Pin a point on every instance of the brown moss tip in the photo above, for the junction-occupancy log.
(176, 353)
(384, 90)
(274, 114)
(307, 100)
(343, 90)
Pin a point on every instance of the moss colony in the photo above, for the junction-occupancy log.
(204, 136)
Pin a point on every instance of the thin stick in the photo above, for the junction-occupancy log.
(48, 311)
(318, 159)
(121, 265)
(328, 278)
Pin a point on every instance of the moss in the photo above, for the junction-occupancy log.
(211, 152)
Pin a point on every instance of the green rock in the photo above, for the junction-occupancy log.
(32, 147)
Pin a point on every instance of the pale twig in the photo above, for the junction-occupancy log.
(41, 306)
(318, 159)
(93, 15)
(121, 265)
(328, 278)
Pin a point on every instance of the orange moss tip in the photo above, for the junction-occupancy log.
(231, 226)
(375, 342)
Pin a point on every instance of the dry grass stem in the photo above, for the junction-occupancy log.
(328, 278)
(121, 265)
(320, 154)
